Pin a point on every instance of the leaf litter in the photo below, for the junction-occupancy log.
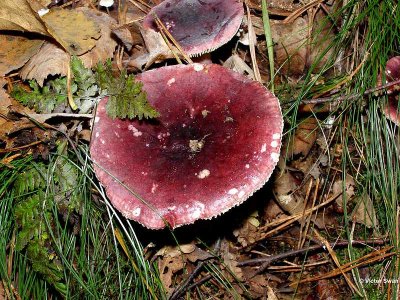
(39, 48)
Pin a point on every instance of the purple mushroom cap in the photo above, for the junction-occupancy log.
(199, 26)
(392, 72)
(216, 142)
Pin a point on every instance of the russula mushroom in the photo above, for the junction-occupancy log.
(216, 142)
(198, 26)
(392, 72)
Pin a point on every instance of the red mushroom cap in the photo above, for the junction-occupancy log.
(392, 72)
(199, 26)
(216, 142)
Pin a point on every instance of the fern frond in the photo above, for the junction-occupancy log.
(126, 96)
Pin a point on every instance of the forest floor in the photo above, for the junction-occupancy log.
(326, 224)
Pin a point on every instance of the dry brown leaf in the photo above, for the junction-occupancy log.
(167, 267)
(8, 126)
(248, 232)
(18, 15)
(288, 195)
(337, 189)
(290, 49)
(75, 31)
(304, 137)
(15, 51)
(364, 212)
(105, 45)
(5, 101)
(271, 294)
(156, 47)
(198, 255)
(50, 59)
(230, 260)
(44, 3)
(125, 36)
(237, 64)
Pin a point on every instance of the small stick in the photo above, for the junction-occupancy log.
(266, 261)
(351, 97)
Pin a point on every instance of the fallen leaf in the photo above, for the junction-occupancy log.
(167, 268)
(337, 189)
(290, 46)
(271, 294)
(105, 45)
(15, 51)
(125, 36)
(19, 15)
(364, 212)
(288, 195)
(230, 260)
(157, 50)
(304, 137)
(50, 60)
(248, 232)
(237, 64)
(75, 31)
(198, 255)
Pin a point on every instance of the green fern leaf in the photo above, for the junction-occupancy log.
(126, 97)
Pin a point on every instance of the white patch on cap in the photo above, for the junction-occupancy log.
(171, 81)
(196, 210)
(171, 208)
(275, 156)
(263, 148)
(247, 166)
(233, 191)
(198, 67)
(96, 119)
(203, 174)
(136, 212)
(97, 134)
(274, 144)
(153, 188)
(276, 136)
(241, 194)
(102, 141)
(108, 155)
(135, 131)
(116, 134)
(144, 173)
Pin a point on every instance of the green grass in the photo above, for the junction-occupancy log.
(368, 34)
(99, 255)
(92, 262)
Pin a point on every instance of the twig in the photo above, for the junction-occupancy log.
(350, 97)
(266, 261)
(362, 261)
(184, 286)
(164, 30)
(256, 70)
(336, 261)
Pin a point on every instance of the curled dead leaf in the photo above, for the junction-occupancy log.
(74, 30)
(304, 137)
(18, 15)
(50, 60)
(15, 51)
